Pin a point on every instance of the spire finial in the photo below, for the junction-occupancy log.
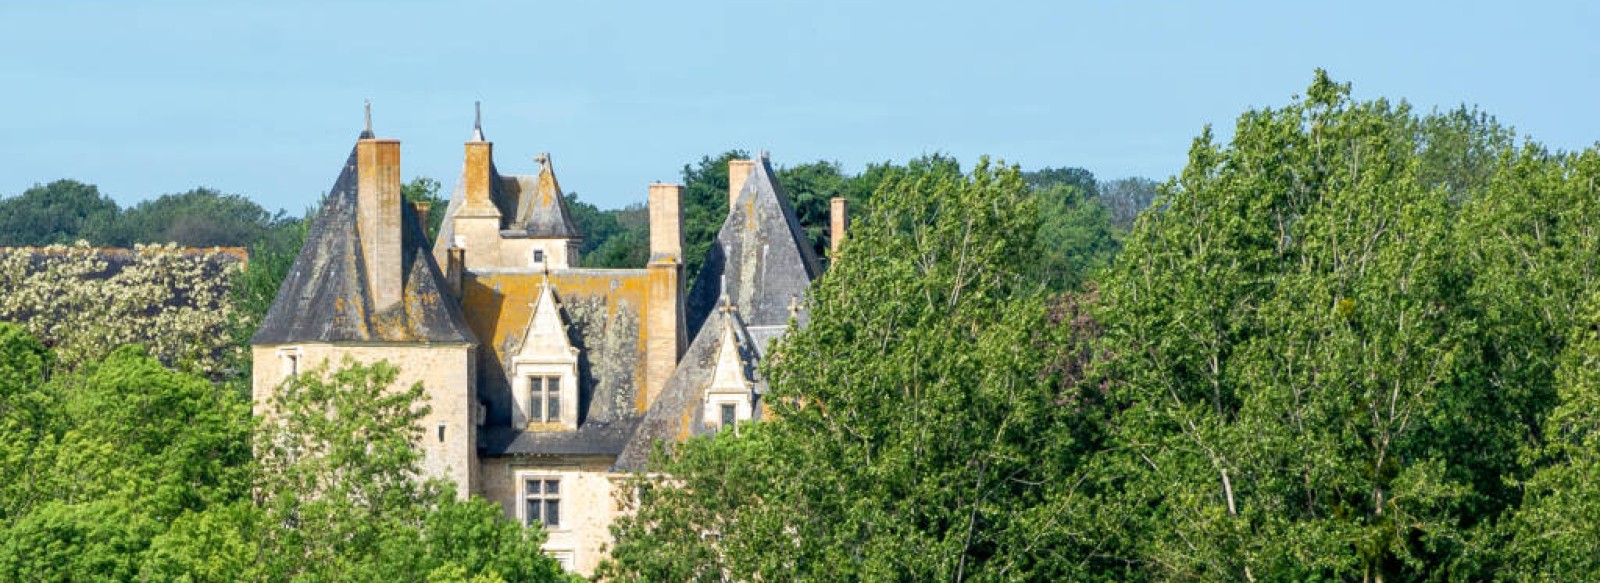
(369, 115)
(477, 115)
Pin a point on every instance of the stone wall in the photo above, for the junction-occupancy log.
(588, 502)
(443, 370)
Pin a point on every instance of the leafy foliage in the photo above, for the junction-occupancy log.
(85, 302)
(908, 426)
(57, 213)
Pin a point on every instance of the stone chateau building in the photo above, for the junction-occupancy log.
(547, 383)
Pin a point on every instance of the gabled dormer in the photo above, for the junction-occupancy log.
(507, 222)
(730, 396)
(544, 371)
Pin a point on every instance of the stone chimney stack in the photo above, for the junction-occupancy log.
(838, 222)
(378, 223)
(454, 264)
(664, 319)
(480, 157)
(739, 172)
(666, 220)
(421, 208)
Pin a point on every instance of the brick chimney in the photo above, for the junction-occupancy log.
(664, 326)
(378, 224)
(739, 172)
(837, 223)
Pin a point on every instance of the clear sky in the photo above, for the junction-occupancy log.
(264, 99)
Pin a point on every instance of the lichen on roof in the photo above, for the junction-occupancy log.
(325, 297)
(761, 260)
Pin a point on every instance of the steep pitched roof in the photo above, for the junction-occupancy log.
(761, 261)
(325, 298)
(677, 413)
(542, 209)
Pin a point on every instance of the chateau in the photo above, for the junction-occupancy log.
(547, 383)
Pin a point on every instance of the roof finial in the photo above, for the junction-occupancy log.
(369, 115)
(477, 115)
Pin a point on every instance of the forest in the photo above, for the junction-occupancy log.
(1348, 341)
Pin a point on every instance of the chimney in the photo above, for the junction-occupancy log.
(378, 218)
(839, 221)
(664, 327)
(455, 262)
(666, 219)
(738, 173)
(421, 207)
(478, 178)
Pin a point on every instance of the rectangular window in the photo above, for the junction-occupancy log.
(543, 501)
(538, 256)
(730, 414)
(546, 398)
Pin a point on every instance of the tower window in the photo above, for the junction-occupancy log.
(542, 499)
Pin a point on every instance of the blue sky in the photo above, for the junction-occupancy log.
(264, 99)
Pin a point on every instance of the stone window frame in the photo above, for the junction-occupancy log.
(524, 369)
(744, 408)
(290, 360)
(564, 557)
(566, 480)
(523, 496)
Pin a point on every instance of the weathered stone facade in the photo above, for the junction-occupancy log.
(548, 383)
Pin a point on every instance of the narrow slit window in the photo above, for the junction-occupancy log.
(730, 414)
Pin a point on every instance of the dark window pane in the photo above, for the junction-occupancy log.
(552, 513)
(553, 411)
(552, 486)
(729, 415)
(533, 511)
(533, 487)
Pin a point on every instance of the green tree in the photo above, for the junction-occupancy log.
(426, 190)
(911, 427)
(705, 206)
(1297, 362)
(340, 496)
(57, 213)
(1076, 237)
(198, 218)
(1125, 198)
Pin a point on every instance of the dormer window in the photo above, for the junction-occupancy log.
(545, 394)
(544, 371)
(730, 397)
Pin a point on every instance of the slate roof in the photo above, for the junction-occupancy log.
(679, 410)
(592, 438)
(762, 264)
(530, 206)
(603, 313)
(761, 260)
(325, 297)
(541, 209)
